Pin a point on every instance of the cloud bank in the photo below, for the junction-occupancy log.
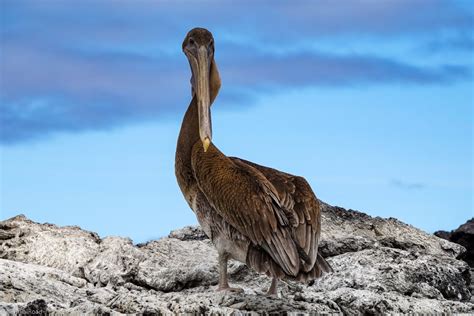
(91, 65)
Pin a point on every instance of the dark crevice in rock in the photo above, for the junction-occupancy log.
(331, 248)
(141, 284)
(36, 307)
(393, 242)
(4, 235)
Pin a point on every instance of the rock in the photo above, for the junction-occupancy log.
(404, 272)
(463, 235)
(173, 265)
(117, 258)
(67, 248)
(380, 266)
(188, 233)
(36, 307)
(349, 231)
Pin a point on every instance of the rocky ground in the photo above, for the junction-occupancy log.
(380, 266)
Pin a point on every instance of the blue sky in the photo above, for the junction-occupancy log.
(370, 100)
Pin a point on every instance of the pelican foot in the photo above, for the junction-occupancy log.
(230, 289)
(270, 293)
(273, 289)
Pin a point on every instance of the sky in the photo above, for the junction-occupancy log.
(371, 101)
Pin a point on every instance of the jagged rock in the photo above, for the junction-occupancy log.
(67, 248)
(117, 258)
(173, 265)
(403, 272)
(380, 266)
(463, 235)
(349, 231)
(188, 233)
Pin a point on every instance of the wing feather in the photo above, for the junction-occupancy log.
(301, 208)
(249, 202)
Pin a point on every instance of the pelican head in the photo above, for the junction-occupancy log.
(198, 46)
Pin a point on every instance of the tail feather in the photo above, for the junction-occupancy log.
(259, 260)
(323, 264)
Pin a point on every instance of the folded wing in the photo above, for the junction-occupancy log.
(249, 202)
(301, 207)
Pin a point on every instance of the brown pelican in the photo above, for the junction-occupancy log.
(263, 217)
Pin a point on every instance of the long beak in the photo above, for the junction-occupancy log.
(203, 98)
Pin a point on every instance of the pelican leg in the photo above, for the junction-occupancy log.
(223, 277)
(273, 287)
